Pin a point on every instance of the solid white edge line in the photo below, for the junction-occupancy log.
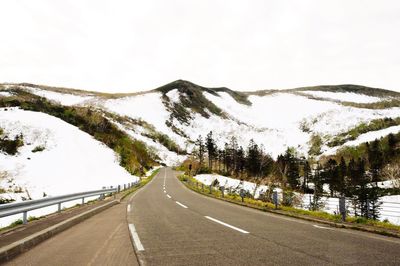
(135, 238)
(168, 196)
(180, 204)
(227, 225)
(128, 208)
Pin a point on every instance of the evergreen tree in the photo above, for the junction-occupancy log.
(331, 175)
(292, 169)
(253, 159)
(201, 149)
(211, 149)
(306, 175)
(392, 141)
(342, 175)
(318, 181)
(375, 158)
(241, 161)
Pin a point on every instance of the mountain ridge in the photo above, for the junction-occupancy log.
(187, 85)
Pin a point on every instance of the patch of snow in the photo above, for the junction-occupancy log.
(344, 96)
(62, 98)
(345, 118)
(72, 160)
(174, 96)
(5, 93)
(366, 137)
(148, 107)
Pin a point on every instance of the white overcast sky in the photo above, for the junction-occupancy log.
(125, 46)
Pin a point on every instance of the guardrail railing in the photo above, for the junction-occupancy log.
(30, 205)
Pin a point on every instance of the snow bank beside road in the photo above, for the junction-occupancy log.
(235, 184)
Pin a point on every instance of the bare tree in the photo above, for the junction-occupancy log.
(392, 172)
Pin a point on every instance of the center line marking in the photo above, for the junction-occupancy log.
(135, 238)
(180, 204)
(321, 227)
(227, 225)
(168, 196)
(128, 208)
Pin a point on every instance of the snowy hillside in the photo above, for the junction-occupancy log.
(276, 119)
(56, 158)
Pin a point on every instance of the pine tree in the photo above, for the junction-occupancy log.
(253, 159)
(292, 169)
(342, 174)
(375, 158)
(201, 149)
(318, 181)
(241, 161)
(211, 149)
(306, 175)
(331, 174)
(391, 145)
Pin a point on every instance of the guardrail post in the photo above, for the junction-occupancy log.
(119, 188)
(25, 217)
(124, 186)
(342, 208)
(83, 200)
(210, 189)
(275, 199)
(59, 207)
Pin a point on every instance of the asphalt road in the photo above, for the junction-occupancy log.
(100, 240)
(171, 225)
(175, 226)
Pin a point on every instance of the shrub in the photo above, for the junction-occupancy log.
(38, 148)
(10, 146)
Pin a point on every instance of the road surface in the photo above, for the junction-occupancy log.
(171, 225)
(180, 227)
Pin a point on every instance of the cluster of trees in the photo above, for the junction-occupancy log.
(355, 177)
(232, 159)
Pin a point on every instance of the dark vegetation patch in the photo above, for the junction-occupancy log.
(10, 146)
(150, 132)
(377, 105)
(192, 98)
(375, 92)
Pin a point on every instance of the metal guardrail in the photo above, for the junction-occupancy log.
(29, 205)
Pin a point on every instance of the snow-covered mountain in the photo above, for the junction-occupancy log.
(277, 119)
(170, 118)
